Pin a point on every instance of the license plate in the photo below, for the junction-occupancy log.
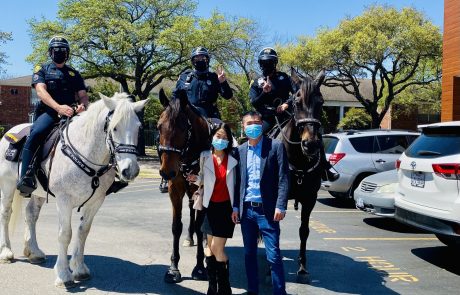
(417, 179)
(360, 203)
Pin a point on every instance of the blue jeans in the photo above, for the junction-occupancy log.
(253, 220)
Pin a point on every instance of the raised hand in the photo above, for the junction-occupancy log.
(221, 74)
(267, 85)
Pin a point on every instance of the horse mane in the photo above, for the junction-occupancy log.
(307, 88)
(90, 118)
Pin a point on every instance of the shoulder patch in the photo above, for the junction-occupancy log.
(35, 77)
(37, 68)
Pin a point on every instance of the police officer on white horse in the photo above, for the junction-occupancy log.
(57, 85)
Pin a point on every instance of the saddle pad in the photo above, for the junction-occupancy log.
(14, 137)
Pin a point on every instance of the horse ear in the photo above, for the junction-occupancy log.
(140, 105)
(110, 103)
(163, 98)
(320, 78)
(295, 78)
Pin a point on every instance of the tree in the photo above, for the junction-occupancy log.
(4, 37)
(137, 43)
(395, 50)
(355, 118)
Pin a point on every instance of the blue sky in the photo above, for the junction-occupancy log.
(280, 20)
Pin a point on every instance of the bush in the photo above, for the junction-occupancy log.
(2, 129)
(355, 118)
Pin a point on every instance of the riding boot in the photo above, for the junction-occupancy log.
(163, 186)
(26, 183)
(223, 278)
(212, 274)
(115, 187)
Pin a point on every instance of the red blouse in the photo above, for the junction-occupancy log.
(220, 192)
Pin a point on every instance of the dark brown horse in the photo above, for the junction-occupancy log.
(302, 141)
(183, 136)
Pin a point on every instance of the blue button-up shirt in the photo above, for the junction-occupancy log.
(254, 156)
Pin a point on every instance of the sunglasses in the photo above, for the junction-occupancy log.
(58, 49)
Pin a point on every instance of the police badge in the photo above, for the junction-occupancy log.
(209, 82)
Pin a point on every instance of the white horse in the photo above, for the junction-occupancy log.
(103, 136)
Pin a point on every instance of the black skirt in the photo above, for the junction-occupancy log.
(218, 220)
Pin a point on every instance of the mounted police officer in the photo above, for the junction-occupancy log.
(271, 94)
(203, 86)
(57, 86)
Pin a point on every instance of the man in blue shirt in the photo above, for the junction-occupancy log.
(263, 191)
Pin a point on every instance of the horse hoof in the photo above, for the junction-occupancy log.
(188, 243)
(303, 277)
(37, 260)
(66, 285)
(173, 276)
(82, 277)
(199, 273)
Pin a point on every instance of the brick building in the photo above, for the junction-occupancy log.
(16, 101)
(450, 107)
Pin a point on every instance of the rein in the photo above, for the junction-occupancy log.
(73, 154)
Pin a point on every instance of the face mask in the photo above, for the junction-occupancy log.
(268, 69)
(219, 144)
(253, 131)
(59, 56)
(200, 65)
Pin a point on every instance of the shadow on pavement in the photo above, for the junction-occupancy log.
(442, 256)
(390, 224)
(111, 274)
(344, 203)
(338, 273)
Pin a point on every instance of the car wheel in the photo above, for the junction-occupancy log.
(450, 241)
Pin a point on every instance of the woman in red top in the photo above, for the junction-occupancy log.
(218, 176)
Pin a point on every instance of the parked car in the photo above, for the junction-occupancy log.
(376, 193)
(429, 182)
(358, 154)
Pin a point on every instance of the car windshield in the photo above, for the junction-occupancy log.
(436, 142)
(330, 143)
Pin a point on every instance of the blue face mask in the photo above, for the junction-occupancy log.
(219, 144)
(253, 131)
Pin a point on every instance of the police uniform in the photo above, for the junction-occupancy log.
(203, 90)
(280, 93)
(62, 84)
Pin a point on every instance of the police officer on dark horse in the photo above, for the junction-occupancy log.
(272, 96)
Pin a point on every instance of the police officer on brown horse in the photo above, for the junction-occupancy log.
(57, 86)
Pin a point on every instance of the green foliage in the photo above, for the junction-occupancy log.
(153, 111)
(2, 130)
(426, 99)
(104, 86)
(355, 118)
(394, 49)
(137, 43)
(4, 37)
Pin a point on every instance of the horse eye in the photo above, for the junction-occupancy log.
(115, 129)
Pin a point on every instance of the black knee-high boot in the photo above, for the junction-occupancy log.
(26, 183)
(212, 274)
(223, 278)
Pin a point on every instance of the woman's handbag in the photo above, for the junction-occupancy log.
(198, 199)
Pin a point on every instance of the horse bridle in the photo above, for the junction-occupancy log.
(114, 148)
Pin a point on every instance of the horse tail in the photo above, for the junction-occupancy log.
(17, 210)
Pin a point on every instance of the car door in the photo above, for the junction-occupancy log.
(387, 150)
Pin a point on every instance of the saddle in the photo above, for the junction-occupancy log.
(14, 151)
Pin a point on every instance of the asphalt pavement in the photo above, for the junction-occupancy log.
(130, 243)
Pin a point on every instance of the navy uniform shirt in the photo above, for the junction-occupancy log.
(61, 83)
(203, 90)
(280, 93)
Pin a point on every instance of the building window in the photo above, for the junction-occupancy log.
(14, 91)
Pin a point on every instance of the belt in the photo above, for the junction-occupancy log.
(254, 204)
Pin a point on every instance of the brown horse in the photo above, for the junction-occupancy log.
(302, 141)
(183, 136)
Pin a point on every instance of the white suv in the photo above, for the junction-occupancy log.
(358, 154)
(429, 182)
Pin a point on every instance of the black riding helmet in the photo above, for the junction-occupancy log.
(58, 55)
(200, 65)
(268, 59)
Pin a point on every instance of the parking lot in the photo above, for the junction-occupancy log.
(351, 252)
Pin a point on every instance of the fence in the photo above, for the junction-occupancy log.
(151, 137)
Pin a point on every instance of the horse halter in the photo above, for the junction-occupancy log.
(73, 154)
(182, 151)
